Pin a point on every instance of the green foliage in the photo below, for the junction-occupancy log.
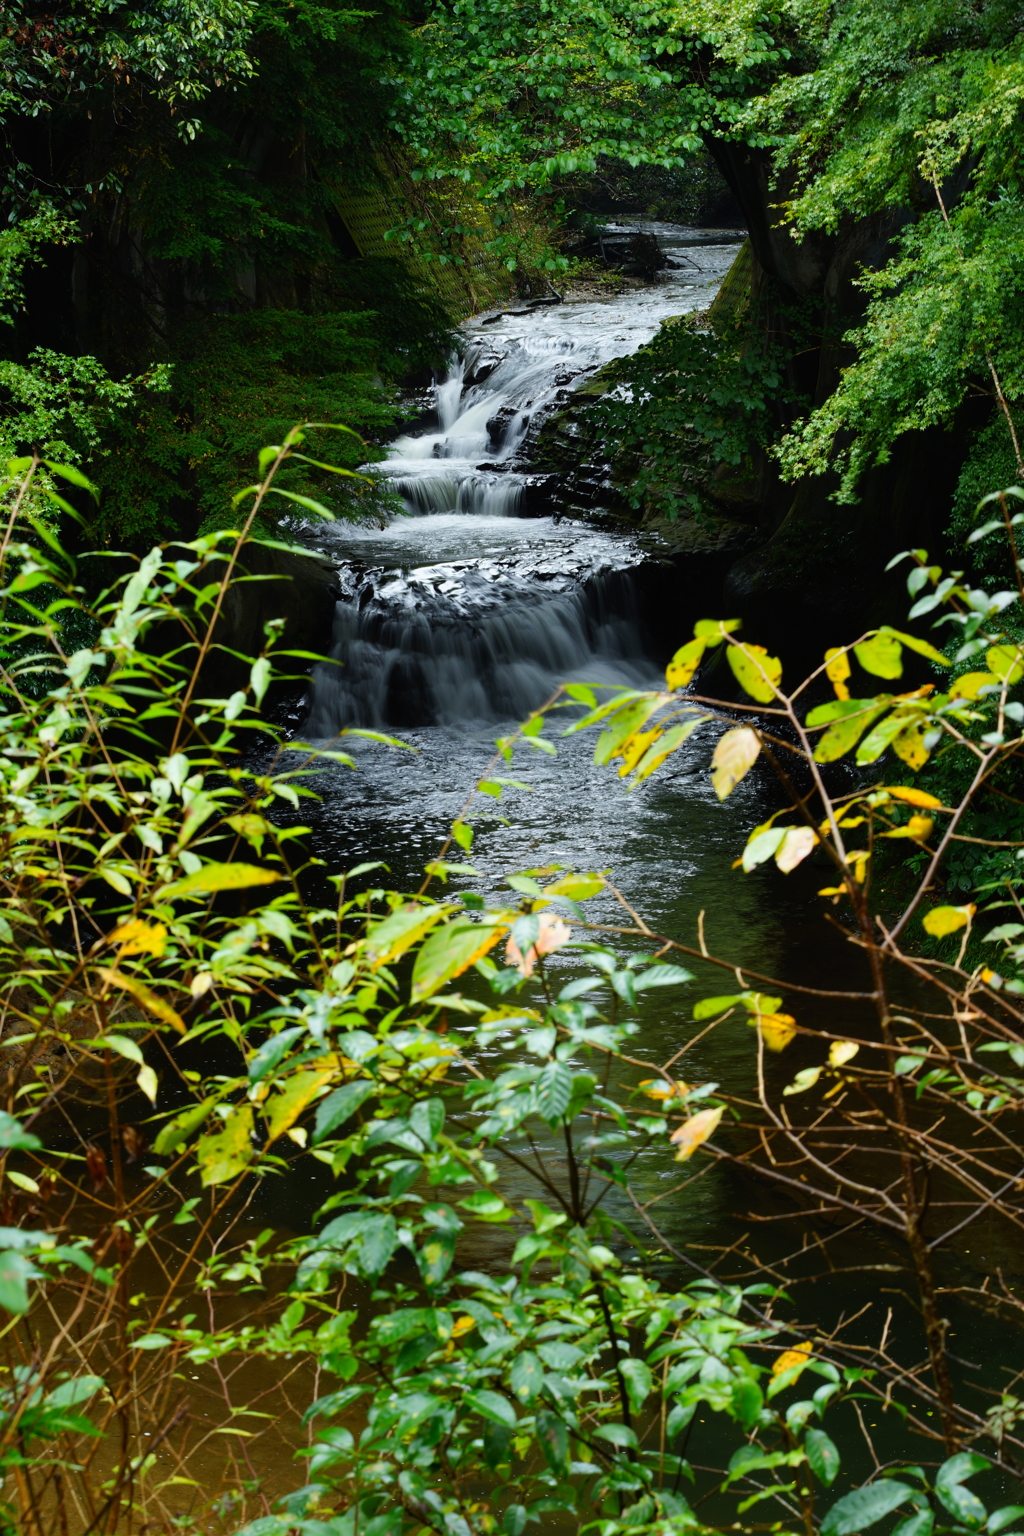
(240, 381)
(694, 399)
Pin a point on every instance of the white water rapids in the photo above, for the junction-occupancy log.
(468, 608)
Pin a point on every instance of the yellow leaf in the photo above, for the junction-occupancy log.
(656, 1088)
(713, 631)
(967, 687)
(139, 938)
(220, 877)
(401, 930)
(734, 756)
(633, 750)
(228, 1152)
(462, 1325)
(756, 672)
(941, 921)
(451, 950)
(842, 1051)
(790, 1358)
(918, 829)
(576, 887)
(144, 997)
(881, 655)
(1006, 661)
(689, 1136)
(285, 1107)
(684, 663)
(837, 670)
(803, 1080)
(910, 744)
(777, 1029)
(913, 796)
(147, 1081)
(794, 848)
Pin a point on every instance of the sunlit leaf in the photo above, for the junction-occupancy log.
(922, 647)
(941, 921)
(401, 930)
(695, 1131)
(803, 1080)
(857, 715)
(139, 938)
(842, 1051)
(144, 997)
(913, 796)
(666, 744)
(450, 951)
(284, 1108)
(837, 670)
(733, 757)
(220, 877)
(713, 631)
(881, 655)
(1006, 662)
(796, 845)
(756, 672)
(970, 684)
(684, 663)
(777, 1029)
(226, 1153)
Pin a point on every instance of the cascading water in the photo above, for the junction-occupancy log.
(467, 608)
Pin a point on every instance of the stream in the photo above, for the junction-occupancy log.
(462, 615)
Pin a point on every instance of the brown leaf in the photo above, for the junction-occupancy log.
(134, 1141)
(96, 1166)
(552, 934)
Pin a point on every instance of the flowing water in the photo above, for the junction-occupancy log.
(462, 615)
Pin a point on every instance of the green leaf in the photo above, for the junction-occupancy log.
(435, 1256)
(272, 1052)
(220, 877)
(756, 672)
(491, 1405)
(340, 1106)
(617, 1434)
(999, 1519)
(857, 1510)
(554, 1090)
(15, 1273)
(13, 1136)
(747, 1402)
(226, 1153)
(882, 655)
(857, 714)
(822, 1456)
(178, 1130)
(961, 1503)
(709, 1007)
(70, 1393)
(922, 647)
(637, 1376)
(401, 930)
(452, 950)
(920, 1523)
(514, 1520)
(152, 1341)
(661, 976)
(527, 1376)
(882, 736)
(554, 1441)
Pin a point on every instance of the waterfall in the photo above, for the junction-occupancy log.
(468, 608)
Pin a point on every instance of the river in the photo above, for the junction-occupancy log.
(461, 615)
